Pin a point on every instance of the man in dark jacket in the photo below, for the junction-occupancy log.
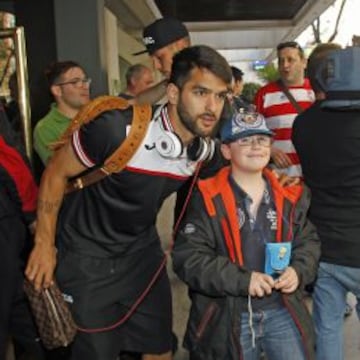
(18, 193)
(246, 250)
(327, 141)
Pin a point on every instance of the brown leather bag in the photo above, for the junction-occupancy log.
(52, 315)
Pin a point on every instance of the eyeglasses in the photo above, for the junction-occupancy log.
(290, 44)
(78, 83)
(258, 140)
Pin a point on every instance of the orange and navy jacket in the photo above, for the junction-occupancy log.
(208, 257)
(219, 186)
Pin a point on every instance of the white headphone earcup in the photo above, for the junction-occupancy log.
(212, 148)
(169, 145)
(201, 149)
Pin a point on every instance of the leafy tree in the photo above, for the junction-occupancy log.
(269, 73)
(249, 90)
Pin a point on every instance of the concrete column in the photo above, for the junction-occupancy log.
(112, 53)
(80, 36)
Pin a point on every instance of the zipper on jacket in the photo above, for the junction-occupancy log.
(208, 314)
(236, 342)
(290, 233)
(298, 325)
(235, 334)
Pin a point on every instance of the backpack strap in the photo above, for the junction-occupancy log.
(121, 156)
(289, 95)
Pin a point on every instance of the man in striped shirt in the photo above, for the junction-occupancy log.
(279, 112)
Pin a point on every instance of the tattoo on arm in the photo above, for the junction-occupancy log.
(48, 206)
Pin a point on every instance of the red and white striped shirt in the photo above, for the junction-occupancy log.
(280, 114)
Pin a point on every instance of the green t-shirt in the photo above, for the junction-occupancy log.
(48, 130)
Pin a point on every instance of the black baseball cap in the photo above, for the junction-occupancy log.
(162, 32)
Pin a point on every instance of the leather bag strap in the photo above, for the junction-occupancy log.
(88, 113)
(291, 98)
(122, 155)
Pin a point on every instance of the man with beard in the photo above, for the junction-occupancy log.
(70, 88)
(279, 111)
(108, 247)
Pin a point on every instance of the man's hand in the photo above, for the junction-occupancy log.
(41, 265)
(260, 284)
(288, 281)
(280, 159)
(152, 95)
(286, 180)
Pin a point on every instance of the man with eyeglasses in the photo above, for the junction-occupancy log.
(70, 88)
(279, 110)
(238, 225)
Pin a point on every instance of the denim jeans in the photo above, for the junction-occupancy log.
(275, 333)
(332, 284)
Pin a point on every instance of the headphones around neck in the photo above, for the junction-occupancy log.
(169, 145)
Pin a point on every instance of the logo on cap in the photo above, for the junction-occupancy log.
(243, 123)
(246, 120)
(161, 33)
(148, 40)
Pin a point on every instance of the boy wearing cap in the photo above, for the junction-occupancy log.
(246, 250)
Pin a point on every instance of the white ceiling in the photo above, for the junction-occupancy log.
(237, 40)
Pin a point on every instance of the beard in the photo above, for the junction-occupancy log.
(190, 122)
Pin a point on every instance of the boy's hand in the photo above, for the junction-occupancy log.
(288, 281)
(260, 284)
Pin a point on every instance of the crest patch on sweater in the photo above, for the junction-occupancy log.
(272, 217)
(189, 228)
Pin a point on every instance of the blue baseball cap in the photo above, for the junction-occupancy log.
(242, 124)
